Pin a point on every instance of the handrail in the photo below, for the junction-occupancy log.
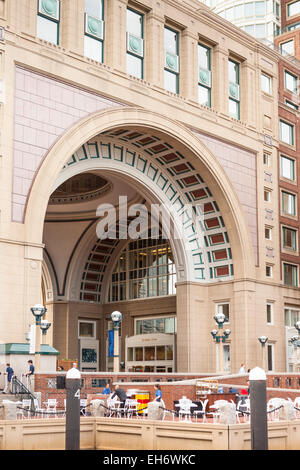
(18, 388)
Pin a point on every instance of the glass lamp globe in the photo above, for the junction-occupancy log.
(116, 317)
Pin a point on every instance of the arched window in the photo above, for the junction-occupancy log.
(145, 268)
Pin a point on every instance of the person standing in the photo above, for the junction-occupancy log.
(242, 369)
(106, 390)
(158, 393)
(30, 375)
(9, 372)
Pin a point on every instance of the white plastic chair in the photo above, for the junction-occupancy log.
(297, 405)
(51, 405)
(272, 409)
(201, 412)
(27, 405)
(131, 407)
(40, 411)
(185, 408)
(113, 404)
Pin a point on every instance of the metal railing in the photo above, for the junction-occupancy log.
(19, 389)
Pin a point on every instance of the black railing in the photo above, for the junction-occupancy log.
(19, 389)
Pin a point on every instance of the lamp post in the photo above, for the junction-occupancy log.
(116, 318)
(263, 339)
(38, 311)
(294, 340)
(45, 325)
(220, 339)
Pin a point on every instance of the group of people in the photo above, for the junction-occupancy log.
(10, 373)
(122, 395)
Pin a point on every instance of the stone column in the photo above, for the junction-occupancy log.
(248, 93)
(189, 65)
(72, 33)
(220, 87)
(154, 49)
(115, 35)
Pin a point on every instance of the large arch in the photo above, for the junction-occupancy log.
(203, 160)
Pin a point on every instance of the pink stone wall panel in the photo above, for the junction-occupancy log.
(240, 167)
(44, 109)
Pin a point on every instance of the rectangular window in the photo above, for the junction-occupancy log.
(266, 159)
(86, 329)
(291, 104)
(267, 195)
(48, 20)
(204, 75)
(93, 30)
(290, 275)
(288, 203)
(223, 308)
(266, 83)
(270, 313)
(234, 89)
(268, 233)
(291, 316)
(290, 82)
(287, 48)
(286, 133)
(293, 8)
(171, 71)
(289, 238)
(135, 43)
(269, 270)
(270, 356)
(287, 167)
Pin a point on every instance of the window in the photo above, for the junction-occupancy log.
(48, 20)
(287, 48)
(291, 316)
(290, 275)
(268, 233)
(144, 269)
(234, 89)
(266, 83)
(204, 75)
(86, 329)
(93, 30)
(135, 43)
(288, 202)
(171, 72)
(155, 325)
(286, 133)
(223, 308)
(289, 238)
(291, 104)
(290, 82)
(270, 349)
(287, 167)
(266, 159)
(269, 270)
(267, 195)
(270, 313)
(293, 8)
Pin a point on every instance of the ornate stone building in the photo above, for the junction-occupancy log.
(156, 103)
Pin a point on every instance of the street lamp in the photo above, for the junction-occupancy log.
(38, 311)
(220, 319)
(116, 318)
(295, 341)
(263, 340)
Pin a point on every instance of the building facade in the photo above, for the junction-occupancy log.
(116, 104)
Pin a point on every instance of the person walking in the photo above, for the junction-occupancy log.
(9, 372)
